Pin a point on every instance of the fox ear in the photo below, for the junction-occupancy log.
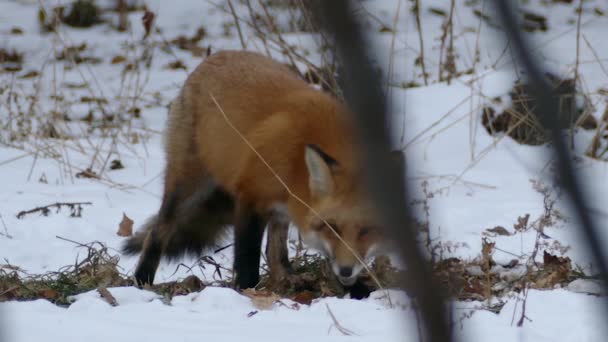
(319, 164)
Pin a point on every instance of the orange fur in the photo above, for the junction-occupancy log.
(298, 131)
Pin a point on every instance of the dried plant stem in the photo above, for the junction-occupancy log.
(450, 62)
(391, 60)
(421, 38)
(6, 234)
(578, 40)
(576, 76)
(45, 209)
(238, 25)
(343, 330)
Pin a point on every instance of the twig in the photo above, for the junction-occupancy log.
(523, 307)
(391, 57)
(595, 55)
(578, 40)
(576, 65)
(222, 248)
(343, 330)
(212, 262)
(80, 244)
(6, 234)
(419, 26)
(75, 208)
(450, 63)
(238, 25)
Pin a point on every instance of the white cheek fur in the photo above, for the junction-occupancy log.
(372, 251)
(314, 240)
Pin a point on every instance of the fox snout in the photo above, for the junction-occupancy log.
(345, 265)
(346, 274)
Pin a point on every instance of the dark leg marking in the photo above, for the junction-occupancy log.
(248, 232)
(149, 259)
(359, 290)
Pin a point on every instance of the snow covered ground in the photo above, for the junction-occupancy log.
(478, 181)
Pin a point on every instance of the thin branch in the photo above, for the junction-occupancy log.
(75, 207)
(6, 234)
(421, 57)
(343, 330)
(238, 24)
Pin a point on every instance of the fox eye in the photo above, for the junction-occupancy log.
(335, 228)
(323, 225)
(364, 231)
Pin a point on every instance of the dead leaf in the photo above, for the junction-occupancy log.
(176, 65)
(30, 74)
(116, 164)
(522, 223)
(499, 230)
(125, 227)
(262, 300)
(148, 20)
(551, 260)
(88, 173)
(107, 296)
(118, 59)
(49, 294)
(193, 284)
(305, 297)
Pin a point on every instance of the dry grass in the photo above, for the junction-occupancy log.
(520, 121)
(113, 122)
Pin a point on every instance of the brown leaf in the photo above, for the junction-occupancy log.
(176, 65)
(192, 283)
(522, 223)
(305, 297)
(148, 20)
(551, 260)
(88, 173)
(30, 74)
(49, 294)
(499, 230)
(105, 294)
(262, 300)
(125, 227)
(118, 59)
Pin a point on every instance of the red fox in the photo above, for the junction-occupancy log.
(215, 177)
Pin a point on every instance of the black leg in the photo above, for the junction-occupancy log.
(149, 259)
(248, 232)
(359, 290)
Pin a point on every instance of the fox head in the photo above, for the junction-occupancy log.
(343, 222)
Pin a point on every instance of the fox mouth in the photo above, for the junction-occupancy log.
(347, 281)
